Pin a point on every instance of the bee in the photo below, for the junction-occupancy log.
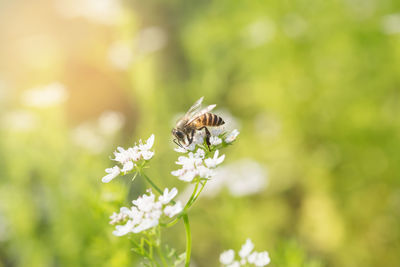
(195, 119)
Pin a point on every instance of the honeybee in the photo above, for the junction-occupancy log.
(195, 119)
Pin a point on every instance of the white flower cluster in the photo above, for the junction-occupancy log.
(247, 256)
(128, 158)
(145, 212)
(215, 140)
(195, 164)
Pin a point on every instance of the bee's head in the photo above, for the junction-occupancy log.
(180, 136)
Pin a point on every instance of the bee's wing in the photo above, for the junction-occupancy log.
(191, 112)
(201, 112)
(193, 109)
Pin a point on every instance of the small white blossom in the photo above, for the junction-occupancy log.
(227, 257)
(128, 166)
(171, 211)
(121, 230)
(112, 173)
(215, 140)
(145, 225)
(231, 136)
(200, 153)
(246, 249)
(213, 162)
(148, 145)
(168, 195)
(216, 131)
(118, 217)
(145, 203)
(205, 172)
(259, 259)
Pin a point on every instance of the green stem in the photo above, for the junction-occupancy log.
(164, 263)
(198, 194)
(171, 223)
(185, 221)
(192, 196)
(152, 184)
(150, 253)
(188, 239)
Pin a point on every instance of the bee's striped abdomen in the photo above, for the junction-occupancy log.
(208, 119)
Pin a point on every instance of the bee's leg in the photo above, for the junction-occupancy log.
(207, 136)
(190, 136)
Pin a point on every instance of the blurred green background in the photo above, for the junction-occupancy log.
(312, 85)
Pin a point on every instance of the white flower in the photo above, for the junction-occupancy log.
(213, 162)
(246, 248)
(145, 225)
(231, 136)
(195, 164)
(112, 173)
(145, 212)
(145, 203)
(192, 146)
(185, 175)
(148, 145)
(128, 157)
(122, 156)
(190, 162)
(227, 257)
(205, 172)
(259, 258)
(121, 230)
(200, 153)
(215, 140)
(168, 195)
(128, 166)
(171, 211)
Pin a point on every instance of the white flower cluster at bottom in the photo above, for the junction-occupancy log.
(227, 258)
(145, 212)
